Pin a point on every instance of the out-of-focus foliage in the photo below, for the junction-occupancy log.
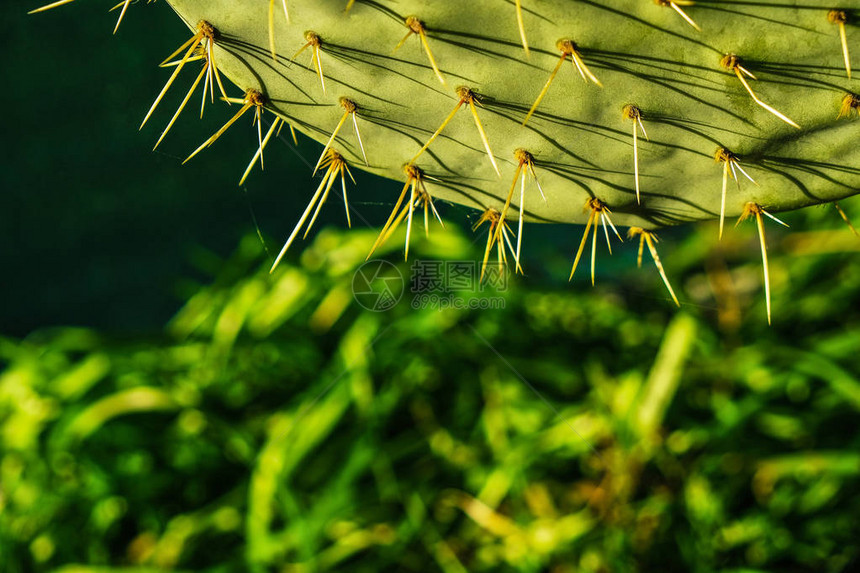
(278, 427)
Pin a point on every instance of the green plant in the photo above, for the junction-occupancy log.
(756, 93)
(278, 428)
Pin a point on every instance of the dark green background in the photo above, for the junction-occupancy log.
(96, 229)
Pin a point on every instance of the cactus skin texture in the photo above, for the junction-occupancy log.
(643, 53)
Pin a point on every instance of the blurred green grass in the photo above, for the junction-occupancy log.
(277, 426)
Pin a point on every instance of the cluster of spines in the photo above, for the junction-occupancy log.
(200, 47)
(122, 7)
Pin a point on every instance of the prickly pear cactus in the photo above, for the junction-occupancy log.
(644, 54)
(638, 113)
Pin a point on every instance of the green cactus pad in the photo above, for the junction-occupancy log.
(643, 53)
